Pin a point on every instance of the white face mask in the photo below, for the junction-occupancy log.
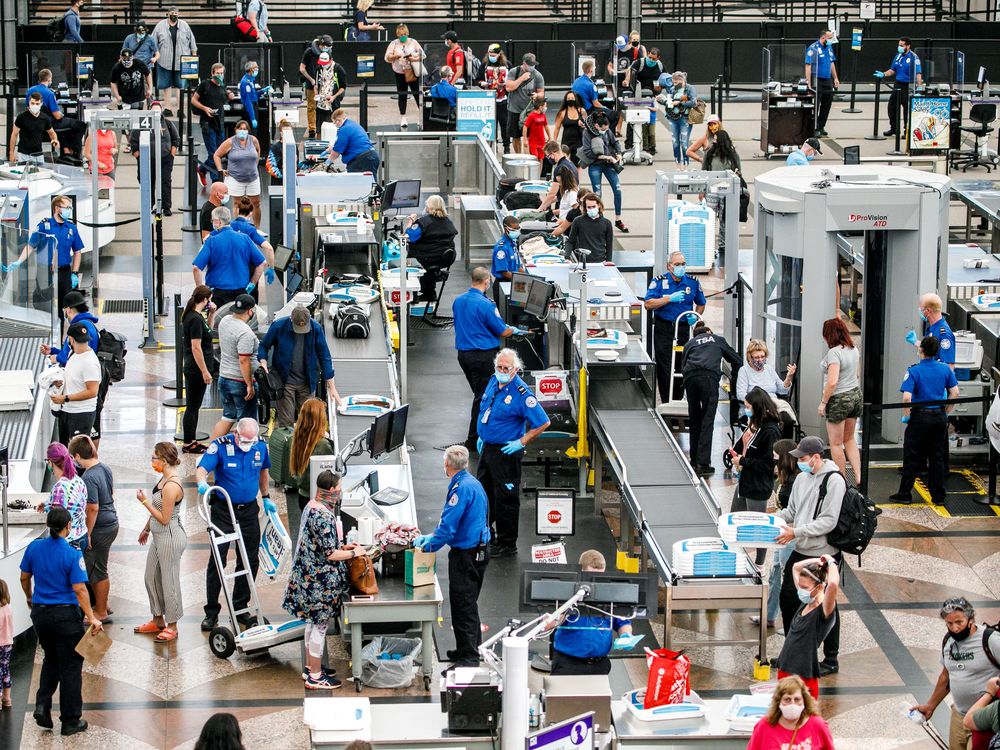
(34, 108)
(245, 445)
(791, 711)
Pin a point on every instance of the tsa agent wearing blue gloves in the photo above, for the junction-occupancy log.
(235, 264)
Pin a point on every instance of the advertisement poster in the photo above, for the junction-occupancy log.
(476, 113)
(930, 123)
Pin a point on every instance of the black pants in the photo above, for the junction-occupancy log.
(477, 365)
(500, 476)
(401, 86)
(64, 285)
(663, 350)
(504, 134)
(898, 99)
(322, 115)
(703, 403)
(249, 523)
(194, 395)
(71, 425)
(564, 664)
(71, 133)
(465, 580)
(222, 297)
(167, 163)
(925, 447)
(431, 261)
(59, 629)
(366, 162)
(789, 603)
(102, 397)
(824, 92)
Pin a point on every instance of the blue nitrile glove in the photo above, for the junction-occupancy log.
(422, 541)
(253, 124)
(266, 90)
(879, 74)
(677, 297)
(269, 275)
(912, 338)
(621, 643)
(512, 447)
(690, 318)
(518, 331)
(202, 488)
(904, 420)
(269, 505)
(14, 266)
(74, 281)
(479, 445)
(250, 287)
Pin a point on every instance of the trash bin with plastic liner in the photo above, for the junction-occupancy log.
(389, 662)
(522, 166)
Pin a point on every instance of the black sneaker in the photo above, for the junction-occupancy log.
(704, 470)
(889, 132)
(828, 668)
(326, 671)
(505, 550)
(208, 623)
(43, 718)
(904, 499)
(451, 654)
(72, 727)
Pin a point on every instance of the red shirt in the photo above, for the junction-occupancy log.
(535, 124)
(496, 78)
(813, 735)
(455, 59)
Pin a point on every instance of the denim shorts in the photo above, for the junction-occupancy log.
(234, 403)
(169, 79)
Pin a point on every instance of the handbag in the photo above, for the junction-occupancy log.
(409, 75)
(696, 115)
(361, 575)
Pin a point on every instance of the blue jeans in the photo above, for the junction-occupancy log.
(234, 403)
(681, 131)
(600, 168)
(774, 579)
(212, 134)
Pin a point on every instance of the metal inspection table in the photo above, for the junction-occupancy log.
(395, 602)
(982, 198)
(711, 731)
(402, 726)
(478, 208)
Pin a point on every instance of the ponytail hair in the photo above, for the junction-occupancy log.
(57, 520)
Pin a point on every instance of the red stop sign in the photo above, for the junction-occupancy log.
(550, 386)
(554, 516)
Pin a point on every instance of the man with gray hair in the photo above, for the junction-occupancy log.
(237, 364)
(523, 82)
(464, 528)
(506, 405)
(234, 261)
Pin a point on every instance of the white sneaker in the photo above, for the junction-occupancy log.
(403, 123)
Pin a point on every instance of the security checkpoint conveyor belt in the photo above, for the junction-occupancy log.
(664, 501)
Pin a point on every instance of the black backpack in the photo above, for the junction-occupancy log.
(988, 630)
(522, 199)
(111, 352)
(858, 519)
(56, 28)
(351, 322)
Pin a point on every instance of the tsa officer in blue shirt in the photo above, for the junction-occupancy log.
(240, 462)
(478, 330)
(353, 145)
(905, 66)
(581, 643)
(935, 325)
(506, 405)
(465, 528)
(925, 442)
(584, 87)
(821, 67)
(669, 296)
(59, 230)
(250, 94)
(235, 264)
(506, 261)
(58, 602)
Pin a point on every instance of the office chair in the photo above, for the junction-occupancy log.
(439, 274)
(979, 156)
(442, 113)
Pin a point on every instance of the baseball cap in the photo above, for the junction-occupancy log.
(450, 36)
(324, 58)
(78, 332)
(243, 303)
(808, 446)
(73, 299)
(140, 28)
(815, 144)
(125, 54)
(494, 48)
(712, 118)
(300, 319)
(621, 42)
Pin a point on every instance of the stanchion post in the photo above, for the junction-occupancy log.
(853, 110)
(182, 117)
(866, 440)
(158, 244)
(876, 136)
(719, 86)
(178, 398)
(363, 106)
(192, 187)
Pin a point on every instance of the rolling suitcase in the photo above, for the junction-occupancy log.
(279, 446)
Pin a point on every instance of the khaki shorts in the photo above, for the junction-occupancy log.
(843, 406)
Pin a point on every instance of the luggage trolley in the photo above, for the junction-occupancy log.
(223, 640)
(675, 410)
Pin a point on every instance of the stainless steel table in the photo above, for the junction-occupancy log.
(981, 197)
(477, 208)
(711, 731)
(399, 603)
(403, 726)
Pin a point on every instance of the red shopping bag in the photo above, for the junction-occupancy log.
(669, 677)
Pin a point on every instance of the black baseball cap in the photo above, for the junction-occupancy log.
(78, 332)
(815, 144)
(450, 36)
(74, 299)
(808, 445)
(125, 54)
(243, 303)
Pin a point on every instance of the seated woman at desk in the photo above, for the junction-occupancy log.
(318, 579)
(430, 236)
(308, 439)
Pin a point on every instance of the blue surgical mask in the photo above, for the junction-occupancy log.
(650, 63)
(242, 134)
(513, 233)
(804, 467)
(804, 596)
(225, 199)
(593, 213)
(140, 37)
(494, 58)
(900, 49)
(67, 213)
(922, 316)
(679, 271)
(504, 377)
(748, 412)
(253, 73)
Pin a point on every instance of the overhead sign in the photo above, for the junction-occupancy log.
(477, 113)
(867, 11)
(573, 734)
(930, 123)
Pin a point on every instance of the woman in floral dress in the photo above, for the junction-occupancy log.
(319, 576)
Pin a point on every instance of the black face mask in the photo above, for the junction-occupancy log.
(964, 633)
(635, 44)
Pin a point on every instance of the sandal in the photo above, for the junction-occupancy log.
(621, 226)
(166, 635)
(149, 627)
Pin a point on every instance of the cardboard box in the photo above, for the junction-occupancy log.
(568, 696)
(420, 568)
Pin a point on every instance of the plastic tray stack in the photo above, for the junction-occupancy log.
(708, 556)
(750, 529)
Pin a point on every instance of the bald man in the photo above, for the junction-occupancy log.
(935, 325)
(218, 195)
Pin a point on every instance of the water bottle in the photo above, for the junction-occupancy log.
(534, 711)
(352, 536)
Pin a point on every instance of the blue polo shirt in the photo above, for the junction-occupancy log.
(243, 225)
(88, 321)
(463, 523)
(796, 158)
(478, 324)
(230, 257)
(54, 566)
(352, 141)
(587, 636)
(48, 98)
(822, 57)
(586, 91)
(906, 65)
(67, 237)
(236, 471)
(928, 380)
(249, 94)
(505, 258)
(943, 333)
(503, 411)
(665, 285)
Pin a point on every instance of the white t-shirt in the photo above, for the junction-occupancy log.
(79, 369)
(567, 201)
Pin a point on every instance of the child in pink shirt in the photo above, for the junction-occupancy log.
(6, 643)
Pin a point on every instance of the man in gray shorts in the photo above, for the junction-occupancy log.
(102, 520)
(522, 82)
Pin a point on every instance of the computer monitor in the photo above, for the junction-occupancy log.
(282, 257)
(852, 154)
(397, 431)
(520, 284)
(401, 194)
(293, 282)
(378, 435)
(539, 295)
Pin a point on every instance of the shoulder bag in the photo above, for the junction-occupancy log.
(696, 115)
(361, 575)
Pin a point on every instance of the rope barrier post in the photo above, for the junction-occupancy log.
(182, 117)
(721, 83)
(192, 187)
(363, 106)
(866, 438)
(853, 110)
(876, 136)
(178, 398)
(158, 247)
(991, 493)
